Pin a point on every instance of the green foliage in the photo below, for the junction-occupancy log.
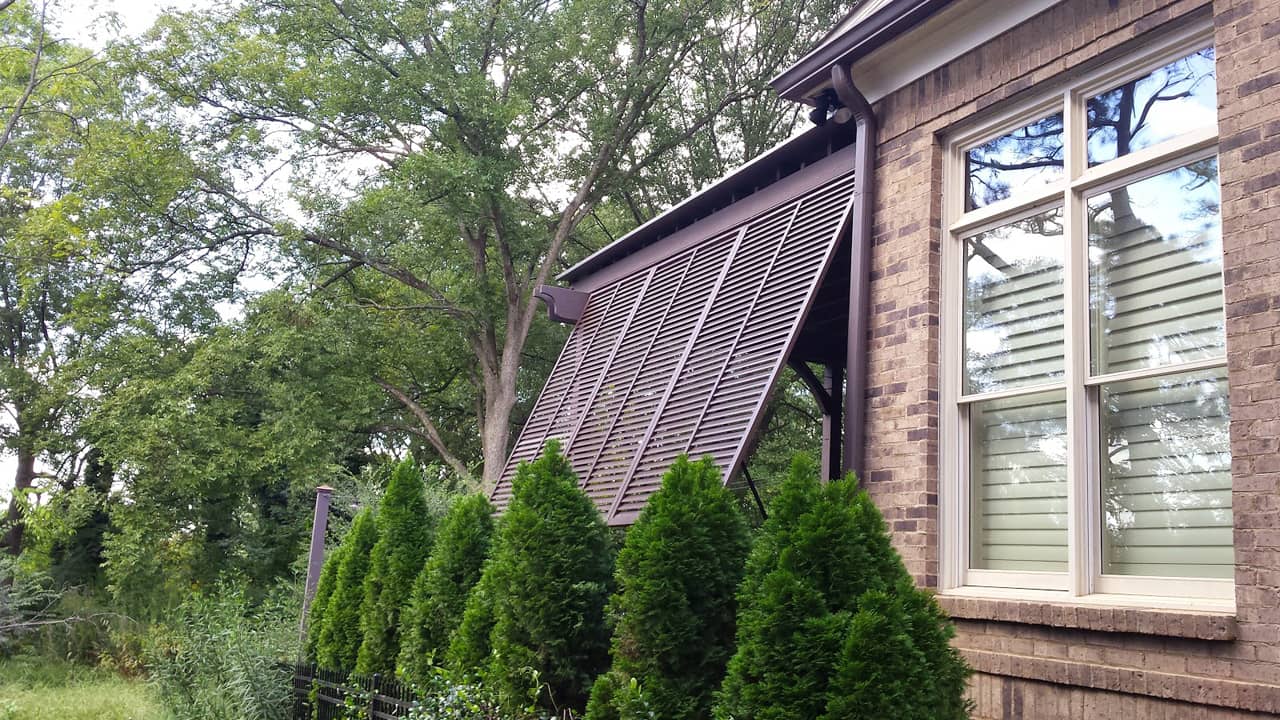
(26, 599)
(440, 591)
(674, 612)
(823, 590)
(338, 642)
(471, 645)
(404, 540)
(219, 442)
(76, 558)
(325, 587)
(221, 657)
(548, 581)
(42, 688)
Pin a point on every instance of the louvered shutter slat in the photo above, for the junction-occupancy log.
(682, 359)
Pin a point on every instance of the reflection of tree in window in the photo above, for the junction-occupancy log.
(1168, 102)
(1030, 155)
(1155, 280)
(1142, 112)
(1167, 474)
(1013, 304)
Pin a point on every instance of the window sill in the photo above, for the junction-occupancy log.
(1209, 620)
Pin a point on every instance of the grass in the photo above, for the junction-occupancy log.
(33, 688)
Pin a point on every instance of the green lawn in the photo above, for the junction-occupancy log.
(40, 689)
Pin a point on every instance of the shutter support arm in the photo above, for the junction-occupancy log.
(563, 304)
(857, 108)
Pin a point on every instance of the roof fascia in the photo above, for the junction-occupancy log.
(814, 69)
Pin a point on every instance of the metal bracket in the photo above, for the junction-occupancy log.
(563, 304)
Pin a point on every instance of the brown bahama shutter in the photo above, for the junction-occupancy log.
(680, 357)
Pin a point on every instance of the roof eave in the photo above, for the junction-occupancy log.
(799, 82)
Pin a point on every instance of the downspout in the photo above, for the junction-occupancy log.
(859, 110)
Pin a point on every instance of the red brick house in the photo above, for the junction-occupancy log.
(1028, 259)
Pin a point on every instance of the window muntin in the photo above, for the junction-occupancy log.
(1013, 304)
(1142, 299)
(1013, 163)
(1170, 101)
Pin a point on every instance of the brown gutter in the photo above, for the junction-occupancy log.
(799, 82)
(865, 127)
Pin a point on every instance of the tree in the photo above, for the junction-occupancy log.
(822, 558)
(674, 610)
(546, 585)
(459, 154)
(219, 440)
(339, 641)
(440, 591)
(404, 539)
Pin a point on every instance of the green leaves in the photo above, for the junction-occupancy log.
(404, 539)
(543, 591)
(340, 635)
(825, 597)
(440, 591)
(674, 611)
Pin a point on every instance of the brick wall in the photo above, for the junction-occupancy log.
(1030, 667)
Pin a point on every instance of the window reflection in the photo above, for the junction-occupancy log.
(1013, 304)
(1155, 250)
(1026, 158)
(1172, 100)
(1166, 477)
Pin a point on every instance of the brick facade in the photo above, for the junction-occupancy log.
(1035, 661)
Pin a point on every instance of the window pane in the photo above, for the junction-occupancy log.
(1018, 484)
(1025, 159)
(1155, 250)
(1166, 477)
(1178, 97)
(1013, 304)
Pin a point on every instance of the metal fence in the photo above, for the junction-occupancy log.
(320, 694)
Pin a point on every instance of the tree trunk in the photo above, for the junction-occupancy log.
(495, 432)
(23, 479)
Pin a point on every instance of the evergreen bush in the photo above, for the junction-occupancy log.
(547, 583)
(339, 636)
(404, 540)
(470, 646)
(440, 590)
(824, 598)
(678, 570)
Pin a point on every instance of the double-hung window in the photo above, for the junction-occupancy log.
(1085, 444)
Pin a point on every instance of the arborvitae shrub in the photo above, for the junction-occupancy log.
(674, 611)
(547, 582)
(404, 540)
(324, 590)
(440, 590)
(470, 646)
(824, 590)
(340, 636)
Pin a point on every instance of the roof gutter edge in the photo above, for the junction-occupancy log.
(889, 22)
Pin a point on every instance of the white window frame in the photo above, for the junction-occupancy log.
(1083, 581)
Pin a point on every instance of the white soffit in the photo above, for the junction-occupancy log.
(959, 28)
